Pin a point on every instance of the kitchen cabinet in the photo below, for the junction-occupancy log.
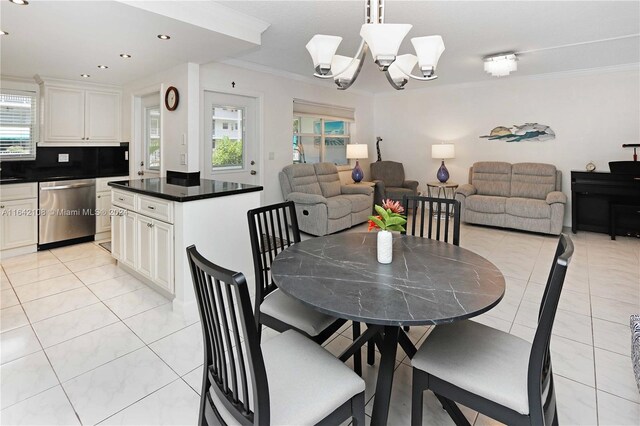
(18, 216)
(103, 203)
(155, 251)
(80, 115)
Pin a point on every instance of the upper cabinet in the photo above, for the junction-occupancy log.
(80, 114)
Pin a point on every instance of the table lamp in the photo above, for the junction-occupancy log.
(357, 151)
(443, 151)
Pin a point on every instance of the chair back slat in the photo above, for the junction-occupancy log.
(272, 229)
(442, 208)
(233, 364)
(540, 379)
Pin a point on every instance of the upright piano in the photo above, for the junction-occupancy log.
(605, 202)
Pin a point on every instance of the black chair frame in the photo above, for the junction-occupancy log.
(540, 386)
(218, 292)
(443, 208)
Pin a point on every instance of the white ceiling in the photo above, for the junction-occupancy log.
(64, 39)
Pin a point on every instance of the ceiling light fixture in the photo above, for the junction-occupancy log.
(103, 67)
(20, 2)
(3, 32)
(501, 64)
(384, 41)
(163, 37)
(85, 75)
(125, 55)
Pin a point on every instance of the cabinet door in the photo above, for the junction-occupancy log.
(129, 238)
(103, 206)
(145, 247)
(163, 254)
(102, 116)
(64, 119)
(117, 233)
(18, 223)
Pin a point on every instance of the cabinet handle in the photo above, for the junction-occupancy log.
(120, 198)
(151, 207)
(99, 196)
(1, 207)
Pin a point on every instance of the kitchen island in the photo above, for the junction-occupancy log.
(155, 220)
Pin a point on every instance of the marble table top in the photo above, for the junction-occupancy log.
(428, 282)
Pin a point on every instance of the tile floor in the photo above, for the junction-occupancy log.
(82, 342)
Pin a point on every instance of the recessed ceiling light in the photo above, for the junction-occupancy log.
(85, 75)
(20, 2)
(3, 32)
(103, 67)
(125, 55)
(163, 37)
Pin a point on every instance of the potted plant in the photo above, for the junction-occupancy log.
(389, 218)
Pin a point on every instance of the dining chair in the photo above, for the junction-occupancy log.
(490, 371)
(425, 209)
(287, 380)
(272, 229)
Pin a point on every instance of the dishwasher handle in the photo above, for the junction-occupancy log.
(70, 186)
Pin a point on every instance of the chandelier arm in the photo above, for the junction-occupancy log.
(355, 74)
(393, 83)
(359, 56)
(433, 76)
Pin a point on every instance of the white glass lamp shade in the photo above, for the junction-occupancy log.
(428, 49)
(342, 68)
(322, 48)
(499, 66)
(357, 151)
(443, 151)
(402, 66)
(384, 41)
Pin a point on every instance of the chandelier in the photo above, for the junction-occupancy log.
(501, 64)
(383, 40)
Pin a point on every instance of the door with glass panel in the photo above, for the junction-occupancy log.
(230, 149)
(149, 165)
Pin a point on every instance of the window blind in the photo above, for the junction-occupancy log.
(301, 107)
(18, 124)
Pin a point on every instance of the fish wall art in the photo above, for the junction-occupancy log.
(533, 132)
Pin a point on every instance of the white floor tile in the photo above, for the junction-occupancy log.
(90, 262)
(11, 318)
(88, 351)
(77, 251)
(194, 379)
(34, 275)
(158, 322)
(497, 323)
(25, 377)
(615, 411)
(50, 407)
(113, 287)
(28, 261)
(8, 298)
(47, 307)
(182, 350)
(47, 287)
(102, 392)
(612, 336)
(573, 360)
(4, 281)
(17, 343)
(614, 373)
(72, 324)
(614, 310)
(576, 403)
(100, 273)
(135, 302)
(174, 404)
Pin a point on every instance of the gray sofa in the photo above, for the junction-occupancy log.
(323, 204)
(388, 177)
(523, 196)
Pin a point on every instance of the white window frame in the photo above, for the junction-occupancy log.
(31, 155)
(346, 136)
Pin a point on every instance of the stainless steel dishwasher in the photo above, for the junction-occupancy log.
(67, 210)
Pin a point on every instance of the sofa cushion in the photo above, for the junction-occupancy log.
(398, 193)
(302, 178)
(338, 207)
(528, 207)
(486, 203)
(327, 175)
(389, 172)
(359, 202)
(532, 180)
(492, 178)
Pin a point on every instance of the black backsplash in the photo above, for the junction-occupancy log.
(84, 162)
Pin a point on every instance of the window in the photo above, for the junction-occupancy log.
(225, 126)
(152, 137)
(318, 139)
(226, 140)
(18, 132)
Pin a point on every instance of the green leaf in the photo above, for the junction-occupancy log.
(378, 222)
(396, 221)
(382, 212)
(396, 228)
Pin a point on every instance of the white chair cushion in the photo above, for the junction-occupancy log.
(306, 382)
(288, 310)
(482, 360)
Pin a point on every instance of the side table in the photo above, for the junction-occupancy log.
(441, 191)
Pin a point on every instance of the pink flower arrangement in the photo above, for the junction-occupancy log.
(389, 217)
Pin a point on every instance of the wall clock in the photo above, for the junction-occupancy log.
(171, 98)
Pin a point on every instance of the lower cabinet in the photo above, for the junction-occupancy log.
(18, 223)
(144, 244)
(103, 205)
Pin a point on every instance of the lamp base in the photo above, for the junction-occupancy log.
(443, 173)
(357, 174)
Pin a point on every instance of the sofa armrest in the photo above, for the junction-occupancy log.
(411, 184)
(302, 198)
(466, 190)
(356, 189)
(556, 197)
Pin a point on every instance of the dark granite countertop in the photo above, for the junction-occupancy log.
(160, 188)
(428, 282)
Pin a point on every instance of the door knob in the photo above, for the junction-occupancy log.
(140, 173)
(253, 172)
(252, 162)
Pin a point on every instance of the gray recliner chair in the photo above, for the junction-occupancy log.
(323, 204)
(390, 183)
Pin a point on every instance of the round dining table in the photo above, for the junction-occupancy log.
(428, 283)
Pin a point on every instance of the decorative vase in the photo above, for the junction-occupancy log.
(385, 246)
(357, 174)
(443, 173)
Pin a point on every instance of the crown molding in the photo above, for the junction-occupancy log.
(40, 79)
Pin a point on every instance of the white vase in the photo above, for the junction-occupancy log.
(385, 247)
